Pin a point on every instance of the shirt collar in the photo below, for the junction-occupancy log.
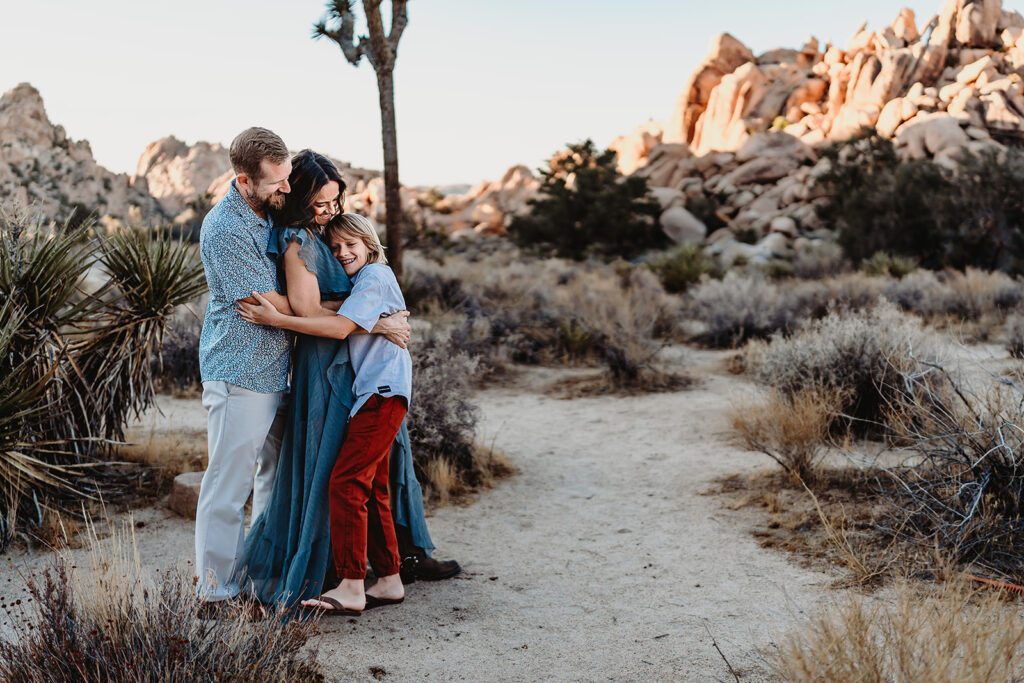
(237, 203)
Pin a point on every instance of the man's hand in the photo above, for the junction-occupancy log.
(395, 328)
(278, 301)
(263, 313)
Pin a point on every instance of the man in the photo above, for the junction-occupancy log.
(244, 367)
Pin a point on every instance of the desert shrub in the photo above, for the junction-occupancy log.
(820, 260)
(681, 267)
(922, 209)
(83, 357)
(586, 207)
(860, 355)
(881, 264)
(741, 307)
(1015, 336)
(113, 621)
(791, 429)
(625, 317)
(951, 634)
(963, 492)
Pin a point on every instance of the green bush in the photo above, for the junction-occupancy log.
(923, 210)
(681, 267)
(587, 208)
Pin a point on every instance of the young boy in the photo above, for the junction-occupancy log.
(360, 508)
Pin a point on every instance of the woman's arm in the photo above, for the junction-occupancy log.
(332, 326)
(303, 286)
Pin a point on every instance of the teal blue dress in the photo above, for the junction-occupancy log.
(288, 548)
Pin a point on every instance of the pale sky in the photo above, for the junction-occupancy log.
(480, 85)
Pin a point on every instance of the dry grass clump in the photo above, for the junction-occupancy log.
(955, 633)
(861, 356)
(115, 621)
(791, 429)
(963, 490)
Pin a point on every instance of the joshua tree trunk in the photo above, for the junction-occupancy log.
(392, 194)
(381, 50)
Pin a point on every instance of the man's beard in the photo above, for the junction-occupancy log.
(274, 201)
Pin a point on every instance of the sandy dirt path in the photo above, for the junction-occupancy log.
(600, 560)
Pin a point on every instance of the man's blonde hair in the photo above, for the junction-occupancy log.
(354, 225)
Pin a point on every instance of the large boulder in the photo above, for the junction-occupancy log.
(723, 125)
(930, 134)
(682, 226)
(775, 144)
(977, 22)
(761, 170)
(727, 54)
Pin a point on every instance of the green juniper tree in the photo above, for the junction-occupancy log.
(587, 207)
(381, 50)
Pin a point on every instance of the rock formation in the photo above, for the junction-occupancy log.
(41, 169)
(176, 173)
(745, 129)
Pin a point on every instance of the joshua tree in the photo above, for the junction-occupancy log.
(381, 50)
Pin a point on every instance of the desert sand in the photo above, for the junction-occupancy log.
(602, 559)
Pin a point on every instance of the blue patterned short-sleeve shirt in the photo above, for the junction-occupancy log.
(233, 245)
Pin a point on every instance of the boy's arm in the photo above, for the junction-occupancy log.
(265, 313)
(395, 328)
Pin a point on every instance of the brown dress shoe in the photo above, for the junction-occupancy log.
(422, 568)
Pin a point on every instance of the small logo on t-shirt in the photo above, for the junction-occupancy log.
(384, 389)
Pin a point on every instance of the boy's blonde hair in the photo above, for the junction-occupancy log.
(354, 225)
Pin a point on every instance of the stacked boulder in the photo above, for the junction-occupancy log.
(745, 130)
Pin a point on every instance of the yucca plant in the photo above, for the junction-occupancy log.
(149, 275)
(75, 361)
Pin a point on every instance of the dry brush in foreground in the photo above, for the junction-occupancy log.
(115, 621)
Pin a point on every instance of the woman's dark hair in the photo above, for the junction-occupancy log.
(310, 172)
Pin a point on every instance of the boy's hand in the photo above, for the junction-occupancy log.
(263, 313)
(395, 329)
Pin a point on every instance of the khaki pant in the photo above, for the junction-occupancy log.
(244, 431)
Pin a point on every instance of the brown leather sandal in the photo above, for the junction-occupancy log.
(336, 608)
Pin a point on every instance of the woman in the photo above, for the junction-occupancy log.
(288, 547)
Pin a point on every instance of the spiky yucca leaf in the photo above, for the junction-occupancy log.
(154, 271)
(41, 269)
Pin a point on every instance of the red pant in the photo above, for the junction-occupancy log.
(359, 491)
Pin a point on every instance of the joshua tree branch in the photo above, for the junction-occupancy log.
(398, 21)
(379, 47)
